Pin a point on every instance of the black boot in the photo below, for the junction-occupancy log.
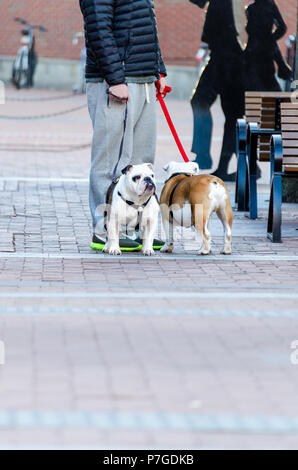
(230, 178)
(222, 170)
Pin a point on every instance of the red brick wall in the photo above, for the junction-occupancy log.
(62, 18)
(180, 26)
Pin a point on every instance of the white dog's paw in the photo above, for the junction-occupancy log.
(205, 252)
(106, 248)
(114, 251)
(167, 248)
(148, 252)
(226, 251)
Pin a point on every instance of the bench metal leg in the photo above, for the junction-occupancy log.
(241, 175)
(275, 205)
(253, 201)
(236, 187)
(241, 187)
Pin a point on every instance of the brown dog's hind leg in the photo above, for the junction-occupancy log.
(200, 216)
(226, 218)
(169, 231)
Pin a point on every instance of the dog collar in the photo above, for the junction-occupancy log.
(132, 204)
(177, 174)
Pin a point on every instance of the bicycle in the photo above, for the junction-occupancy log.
(26, 60)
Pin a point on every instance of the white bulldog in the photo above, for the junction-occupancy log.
(132, 202)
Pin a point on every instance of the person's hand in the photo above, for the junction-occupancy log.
(162, 85)
(121, 92)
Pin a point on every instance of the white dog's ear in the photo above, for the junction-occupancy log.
(126, 169)
(166, 167)
(150, 166)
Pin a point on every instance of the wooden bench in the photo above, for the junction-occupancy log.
(253, 143)
(284, 163)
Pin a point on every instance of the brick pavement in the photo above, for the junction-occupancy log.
(175, 351)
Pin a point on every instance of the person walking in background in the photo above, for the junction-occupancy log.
(123, 63)
(223, 76)
(265, 26)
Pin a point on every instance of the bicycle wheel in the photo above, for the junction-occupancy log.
(21, 73)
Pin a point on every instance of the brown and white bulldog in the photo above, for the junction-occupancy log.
(189, 199)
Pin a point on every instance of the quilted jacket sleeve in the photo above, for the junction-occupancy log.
(98, 18)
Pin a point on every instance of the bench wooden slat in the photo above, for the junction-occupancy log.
(290, 144)
(290, 160)
(264, 156)
(289, 135)
(289, 119)
(290, 151)
(268, 124)
(290, 127)
(253, 105)
(268, 112)
(253, 112)
(266, 103)
(255, 108)
(290, 169)
(289, 112)
(265, 94)
(290, 105)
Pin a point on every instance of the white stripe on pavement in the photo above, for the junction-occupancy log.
(149, 295)
(43, 179)
(125, 420)
(58, 311)
(160, 284)
(159, 257)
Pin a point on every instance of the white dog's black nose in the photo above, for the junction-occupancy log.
(149, 183)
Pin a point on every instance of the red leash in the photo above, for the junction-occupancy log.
(160, 98)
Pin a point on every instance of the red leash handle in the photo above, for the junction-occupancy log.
(160, 98)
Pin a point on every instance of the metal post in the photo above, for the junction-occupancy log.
(296, 74)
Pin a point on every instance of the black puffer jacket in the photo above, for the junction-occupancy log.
(121, 40)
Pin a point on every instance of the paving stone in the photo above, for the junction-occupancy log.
(73, 344)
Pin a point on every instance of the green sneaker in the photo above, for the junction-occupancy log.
(126, 244)
(157, 244)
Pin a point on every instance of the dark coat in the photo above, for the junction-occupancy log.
(220, 32)
(121, 40)
(262, 16)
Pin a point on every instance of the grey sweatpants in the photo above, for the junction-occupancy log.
(139, 142)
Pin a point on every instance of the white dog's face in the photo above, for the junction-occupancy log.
(191, 168)
(140, 179)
